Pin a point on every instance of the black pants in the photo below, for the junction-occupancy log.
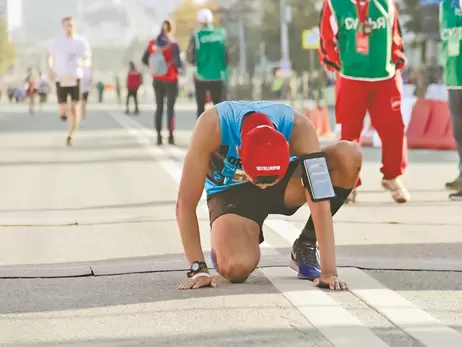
(216, 93)
(164, 89)
(132, 93)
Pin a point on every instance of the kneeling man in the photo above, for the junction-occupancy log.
(256, 159)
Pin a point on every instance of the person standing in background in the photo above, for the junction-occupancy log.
(207, 51)
(31, 83)
(100, 89)
(118, 89)
(134, 81)
(450, 28)
(43, 89)
(368, 54)
(87, 80)
(163, 58)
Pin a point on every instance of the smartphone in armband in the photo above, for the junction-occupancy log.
(316, 177)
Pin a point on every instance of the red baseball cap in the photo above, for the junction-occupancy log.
(264, 150)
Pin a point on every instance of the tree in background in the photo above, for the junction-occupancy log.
(184, 17)
(304, 16)
(422, 21)
(7, 52)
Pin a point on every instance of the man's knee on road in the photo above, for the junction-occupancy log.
(235, 241)
(236, 270)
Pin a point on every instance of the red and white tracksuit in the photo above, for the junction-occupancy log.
(354, 97)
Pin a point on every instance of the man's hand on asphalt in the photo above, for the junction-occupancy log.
(330, 282)
(198, 282)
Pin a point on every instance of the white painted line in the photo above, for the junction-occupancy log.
(284, 229)
(330, 318)
(341, 328)
(419, 324)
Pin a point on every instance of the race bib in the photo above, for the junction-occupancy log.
(453, 47)
(68, 81)
(362, 43)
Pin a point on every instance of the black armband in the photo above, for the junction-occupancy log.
(316, 177)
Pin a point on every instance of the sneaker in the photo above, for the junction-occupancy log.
(454, 185)
(305, 260)
(456, 196)
(213, 257)
(159, 140)
(171, 139)
(398, 191)
(69, 141)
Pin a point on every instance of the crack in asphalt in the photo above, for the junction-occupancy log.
(77, 223)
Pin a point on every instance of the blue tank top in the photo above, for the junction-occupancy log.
(225, 168)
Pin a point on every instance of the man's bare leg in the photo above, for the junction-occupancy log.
(83, 109)
(32, 103)
(74, 121)
(344, 160)
(235, 243)
(63, 111)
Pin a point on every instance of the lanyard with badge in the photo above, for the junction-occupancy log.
(365, 28)
(454, 39)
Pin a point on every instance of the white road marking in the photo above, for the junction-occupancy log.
(419, 324)
(338, 325)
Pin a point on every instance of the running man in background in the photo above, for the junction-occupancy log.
(87, 80)
(208, 52)
(67, 55)
(450, 28)
(361, 40)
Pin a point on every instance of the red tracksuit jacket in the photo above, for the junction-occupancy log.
(328, 53)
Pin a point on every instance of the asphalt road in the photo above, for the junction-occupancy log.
(90, 253)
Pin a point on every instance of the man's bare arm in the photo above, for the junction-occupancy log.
(304, 140)
(204, 141)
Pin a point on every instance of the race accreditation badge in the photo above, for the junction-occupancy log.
(68, 81)
(453, 47)
(362, 43)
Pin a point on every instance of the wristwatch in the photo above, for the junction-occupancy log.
(196, 267)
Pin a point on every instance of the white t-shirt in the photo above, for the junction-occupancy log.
(68, 53)
(87, 78)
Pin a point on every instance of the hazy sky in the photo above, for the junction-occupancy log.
(14, 10)
(14, 13)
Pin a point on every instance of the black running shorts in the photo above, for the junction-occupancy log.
(249, 201)
(64, 92)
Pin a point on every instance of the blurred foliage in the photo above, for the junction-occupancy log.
(304, 16)
(265, 28)
(7, 50)
(184, 18)
(413, 12)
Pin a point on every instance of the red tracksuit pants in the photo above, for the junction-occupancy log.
(383, 101)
